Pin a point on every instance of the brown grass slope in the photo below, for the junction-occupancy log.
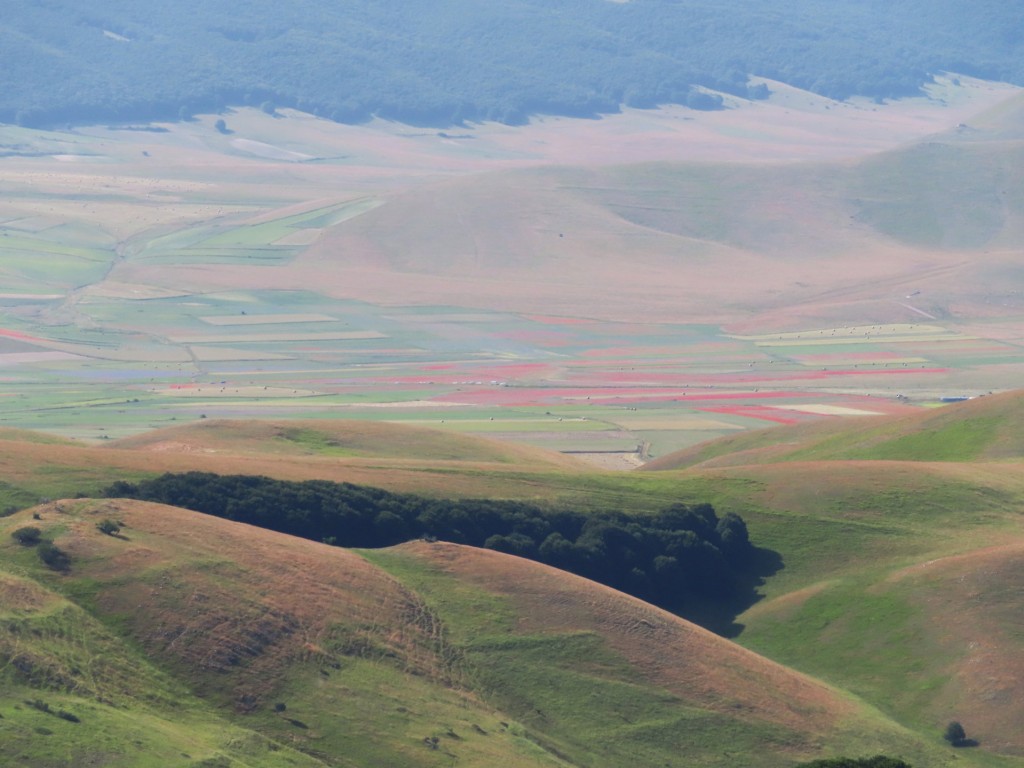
(231, 606)
(745, 691)
(242, 619)
(246, 617)
(989, 428)
(342, 440)
(397, 458)
(701, 668)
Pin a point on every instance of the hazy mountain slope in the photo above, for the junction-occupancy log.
(449, 60)
(945, 195)
(370, 669)
(758, 246)
(1002, 123)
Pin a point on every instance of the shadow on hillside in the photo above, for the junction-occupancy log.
(719, 616)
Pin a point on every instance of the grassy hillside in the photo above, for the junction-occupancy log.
(342, 439)
(902, 540)
(459, 655)
(897, 584)
(395, 457)
(865, 600)
(534, 668)
(984, 429)
(931, 642)
(209, 611)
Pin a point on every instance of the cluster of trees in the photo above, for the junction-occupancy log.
(442, 62)
(676, 557)
(957, 736)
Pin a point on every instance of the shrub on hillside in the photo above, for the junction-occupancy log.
(53, 556)
(108, 526)
(28, 536)
(956, 735)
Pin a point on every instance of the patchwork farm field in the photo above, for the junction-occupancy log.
(295, 268)
(138, 364)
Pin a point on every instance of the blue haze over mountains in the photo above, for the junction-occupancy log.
(443, 62)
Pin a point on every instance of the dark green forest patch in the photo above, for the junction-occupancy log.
(685, 558)
(448, 61)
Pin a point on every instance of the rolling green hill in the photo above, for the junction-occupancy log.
(902, 540)
(447, 61)
(294, 653)
(988, 428)
(897, 586)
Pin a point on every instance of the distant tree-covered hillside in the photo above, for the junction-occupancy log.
(441, 62)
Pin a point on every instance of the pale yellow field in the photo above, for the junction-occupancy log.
(827, 410)
(845, 340)
(894, 329)
(225, 354)
(113, 289)
(214, 391)
(844, 362)
(266, 319)
(300, 237)
(272, 337)
(675, 423)
(17, 358)
(452, 317)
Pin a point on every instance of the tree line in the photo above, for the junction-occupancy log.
(680, 557)
(443, 62)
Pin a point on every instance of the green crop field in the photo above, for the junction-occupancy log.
(265, 238)
(357, 353)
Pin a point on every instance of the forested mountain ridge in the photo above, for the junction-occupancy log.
(445, 61)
